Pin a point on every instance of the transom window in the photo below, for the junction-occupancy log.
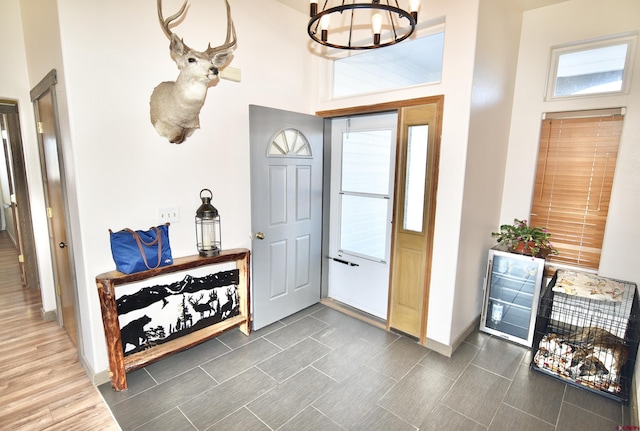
(588, 69)
(405, 64)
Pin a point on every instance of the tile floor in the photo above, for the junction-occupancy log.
(321, 370)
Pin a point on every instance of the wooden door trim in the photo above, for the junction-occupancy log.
(386, 106)
(433, 162)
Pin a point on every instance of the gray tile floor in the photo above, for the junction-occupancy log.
(323, 370)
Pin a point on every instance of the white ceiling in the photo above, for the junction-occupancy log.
(534, 4)
(303, 5)
(299, 5)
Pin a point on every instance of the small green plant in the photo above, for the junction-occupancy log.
(534, 240)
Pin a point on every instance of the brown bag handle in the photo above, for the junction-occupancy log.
(140, 241)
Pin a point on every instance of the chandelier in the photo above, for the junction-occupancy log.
(351, 24)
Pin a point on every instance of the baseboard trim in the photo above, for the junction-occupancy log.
(446, 349)
(354, 312)
(96, 378)
(48, 315)
(438, 347)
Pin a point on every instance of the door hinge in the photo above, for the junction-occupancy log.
(12, 198)
(49, 212)
(21, 258)
(58, 290)
(40, 127)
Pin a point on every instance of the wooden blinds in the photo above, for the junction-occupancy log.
(576, 163)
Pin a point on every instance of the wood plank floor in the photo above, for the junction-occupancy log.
(42, 384)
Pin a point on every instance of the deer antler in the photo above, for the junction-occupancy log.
(164, 23)
(230, 42)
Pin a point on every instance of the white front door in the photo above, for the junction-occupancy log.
(362, 160)
(286, 212)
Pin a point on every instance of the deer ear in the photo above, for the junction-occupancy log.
(177, 46)
(221, 59)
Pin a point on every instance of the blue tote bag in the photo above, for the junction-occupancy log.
(135, 251)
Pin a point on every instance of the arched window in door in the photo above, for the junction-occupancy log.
(289, 143)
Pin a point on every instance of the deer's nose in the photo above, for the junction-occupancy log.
(214, 70)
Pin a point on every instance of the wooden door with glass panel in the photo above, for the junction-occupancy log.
(416, 184)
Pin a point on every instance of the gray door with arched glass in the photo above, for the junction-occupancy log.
(286, 212)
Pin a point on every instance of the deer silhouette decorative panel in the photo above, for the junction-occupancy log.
(150, 315)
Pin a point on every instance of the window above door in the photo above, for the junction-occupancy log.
(591, 68)
(410, 63)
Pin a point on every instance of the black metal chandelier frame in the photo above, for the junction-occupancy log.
(399, 34)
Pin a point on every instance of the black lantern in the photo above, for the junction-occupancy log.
(207, 227)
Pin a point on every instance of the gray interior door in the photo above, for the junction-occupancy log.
(286, 212)
(53, 177)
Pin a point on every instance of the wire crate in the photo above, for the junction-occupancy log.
(587, 332)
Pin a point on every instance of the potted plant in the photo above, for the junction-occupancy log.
(522, 238)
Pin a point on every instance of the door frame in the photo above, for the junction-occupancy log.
(430, 208)
(48, 84)
(23, 222)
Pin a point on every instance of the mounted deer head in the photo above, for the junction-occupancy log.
(175, 105)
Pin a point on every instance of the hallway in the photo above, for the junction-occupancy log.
(42, 384)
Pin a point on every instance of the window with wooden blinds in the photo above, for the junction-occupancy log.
(576, 163)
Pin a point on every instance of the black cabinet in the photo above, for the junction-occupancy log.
(511, 292)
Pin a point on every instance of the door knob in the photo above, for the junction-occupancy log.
(62, 245)
(260, 235)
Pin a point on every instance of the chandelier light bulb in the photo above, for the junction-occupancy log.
(324, 26)
(324, 22)
(376, 23)
(414, 5)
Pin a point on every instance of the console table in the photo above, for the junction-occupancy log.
(107, 283)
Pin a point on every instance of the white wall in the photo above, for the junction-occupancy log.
(121, 169)
(491, 103)
(15, 85)
(578, 20)
(543, 28)
(483, 181)
(460, 17)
